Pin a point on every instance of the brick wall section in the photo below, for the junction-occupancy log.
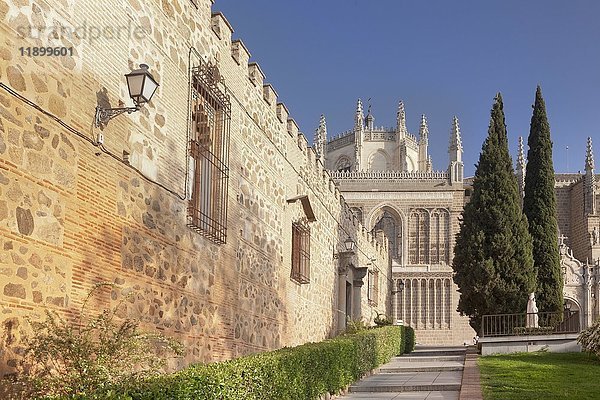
(71, 216)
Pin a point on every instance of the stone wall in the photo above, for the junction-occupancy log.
(73, 214)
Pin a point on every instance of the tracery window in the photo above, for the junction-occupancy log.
(418, 239)
(209, 146)
(440, 232)
(343, 164)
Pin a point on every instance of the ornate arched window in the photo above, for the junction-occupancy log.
(343, 164)
(418, 239)
(379, 161)
(440, 236)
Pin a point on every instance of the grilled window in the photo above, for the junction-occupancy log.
(373, 287)
(209, 145)
(300, 253)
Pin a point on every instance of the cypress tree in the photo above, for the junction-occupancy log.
(493, 262)
(539, 205)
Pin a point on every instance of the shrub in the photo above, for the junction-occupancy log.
(355, 325)
(589, 339)
(409, 339)
(382, 320)
(74, 359)
(303, 372)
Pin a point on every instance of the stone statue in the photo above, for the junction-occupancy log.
(532, 310)
(595, 237)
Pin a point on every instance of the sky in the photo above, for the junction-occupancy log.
(442, 58)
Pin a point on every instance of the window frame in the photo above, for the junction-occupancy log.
(300, 271)
(208, 147)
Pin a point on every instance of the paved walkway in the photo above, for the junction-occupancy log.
(427, 373)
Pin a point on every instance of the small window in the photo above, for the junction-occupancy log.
(373, 287)
(300, 253)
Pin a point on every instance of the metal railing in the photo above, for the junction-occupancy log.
(542, 323)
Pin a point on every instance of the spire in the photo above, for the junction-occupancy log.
(455, 139)
(521, 169)
(423, 129)
(359, 133)
(370, 119)
(400, 121)
(423, 143)
(321, 139)
(589, 156)
(455, 150)
(589, 180)
(521, 155)
(359, 118)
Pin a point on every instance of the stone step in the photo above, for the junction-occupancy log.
(419, 368)
(400, 388)
(426, 358)
(410, 382)
(438, 352)
(433, 395)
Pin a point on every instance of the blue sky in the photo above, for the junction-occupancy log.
(442, 58)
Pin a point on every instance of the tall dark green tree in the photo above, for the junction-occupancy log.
(493, 263)
(539, 205)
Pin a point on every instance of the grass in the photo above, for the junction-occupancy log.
(540, 375)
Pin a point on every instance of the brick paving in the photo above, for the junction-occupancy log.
(471, 380)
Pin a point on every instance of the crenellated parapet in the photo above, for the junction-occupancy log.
(221, 26)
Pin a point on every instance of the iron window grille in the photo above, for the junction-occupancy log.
(373, 287)
(209, 150)
(300, 253)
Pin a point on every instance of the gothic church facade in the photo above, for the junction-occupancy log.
(386, 176)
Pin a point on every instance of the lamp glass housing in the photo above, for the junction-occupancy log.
(141, 85)
(349, 244)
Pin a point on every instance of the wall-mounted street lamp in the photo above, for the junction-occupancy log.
(349, 246)
(141, 85)
(400, 287)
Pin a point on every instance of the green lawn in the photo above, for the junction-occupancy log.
(545, 376)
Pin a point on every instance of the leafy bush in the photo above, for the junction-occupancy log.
(303, 372)
(382, 320)
(73, 359)
(355, 325)
(409, 339)
(589, 339)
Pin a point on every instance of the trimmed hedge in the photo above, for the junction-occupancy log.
(409, 339)
(302, 372)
